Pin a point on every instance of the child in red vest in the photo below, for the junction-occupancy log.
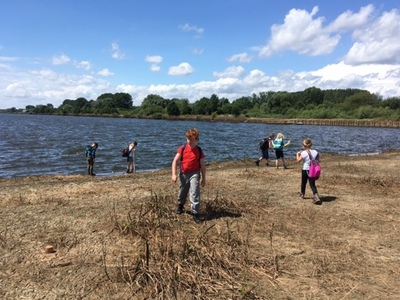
(192, 164)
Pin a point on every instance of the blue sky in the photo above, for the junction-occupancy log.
(52, 50)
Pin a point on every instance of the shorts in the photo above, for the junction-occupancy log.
(279, 154)
(265, 154)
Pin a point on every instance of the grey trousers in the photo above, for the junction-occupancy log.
(190, 183)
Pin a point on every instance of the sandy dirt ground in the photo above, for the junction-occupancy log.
(120, 237)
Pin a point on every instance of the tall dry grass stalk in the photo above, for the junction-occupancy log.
(172, 261)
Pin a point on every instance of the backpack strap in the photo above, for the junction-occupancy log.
(309, 155)
(311, 158)
(200, 152)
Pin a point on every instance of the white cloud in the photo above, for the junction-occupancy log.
(300, 33)
(5, 67)
(60, 60)
(86, 65)
(155, 67)
(8, 58)
(105, 72)
(187, 27)
(181, 70)
(231, 72)
(116, 52)
(378, 43)
(350, 21)
(40, 87)
(197, 51)
(305, 34)
(241, 57)
(381, 79)
(47, 86)
(154, 59)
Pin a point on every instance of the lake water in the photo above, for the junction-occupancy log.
(42, 145)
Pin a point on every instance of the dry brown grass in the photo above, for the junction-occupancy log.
(119, 237)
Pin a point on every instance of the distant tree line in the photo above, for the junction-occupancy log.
(312, 103)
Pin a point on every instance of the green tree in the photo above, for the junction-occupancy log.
(214, 104)
(243, 104)
(202, 107)
(173, 109)
(183, 105)
(356, 100)
(392, 103)
(153, 104)
(123, 100)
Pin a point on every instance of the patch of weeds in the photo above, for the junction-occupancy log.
(168, 252)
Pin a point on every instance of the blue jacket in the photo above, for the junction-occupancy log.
(90, 151)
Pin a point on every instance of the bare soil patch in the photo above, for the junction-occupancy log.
(120, 238)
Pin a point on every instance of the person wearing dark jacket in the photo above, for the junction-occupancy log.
(265, 146)
(91, 157)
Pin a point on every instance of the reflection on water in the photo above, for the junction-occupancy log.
(37, 145)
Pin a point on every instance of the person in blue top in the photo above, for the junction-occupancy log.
(278, 145)
(131, 168)
(90, 157)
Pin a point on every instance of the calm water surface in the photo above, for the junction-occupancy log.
(39, 145)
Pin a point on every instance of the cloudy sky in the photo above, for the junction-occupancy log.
(56, 50)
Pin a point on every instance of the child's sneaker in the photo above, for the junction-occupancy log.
(316, 199)
(257, 162)
(196, 218)
(179, 209)
(301, 195)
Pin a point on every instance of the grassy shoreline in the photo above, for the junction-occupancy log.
(119, 237)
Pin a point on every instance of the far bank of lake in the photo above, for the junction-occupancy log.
(243, 119)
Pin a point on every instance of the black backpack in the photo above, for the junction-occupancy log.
(264, 144)
(125, 152)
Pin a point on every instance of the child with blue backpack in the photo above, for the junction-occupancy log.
(91, 157)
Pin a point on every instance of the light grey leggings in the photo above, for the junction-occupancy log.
(189, 183)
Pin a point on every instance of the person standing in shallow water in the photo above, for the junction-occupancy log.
(131, 168)
(192, 171)
(91, 157)
(305, 156)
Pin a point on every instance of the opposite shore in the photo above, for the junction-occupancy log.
(243, 119)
